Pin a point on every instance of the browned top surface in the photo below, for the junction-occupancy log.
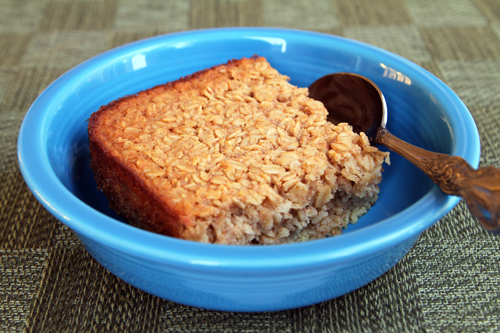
(235, 137)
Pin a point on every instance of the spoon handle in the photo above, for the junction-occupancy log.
(480, 188)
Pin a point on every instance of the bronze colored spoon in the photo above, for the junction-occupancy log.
(358, 101)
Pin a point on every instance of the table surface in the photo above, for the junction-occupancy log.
(449, 281)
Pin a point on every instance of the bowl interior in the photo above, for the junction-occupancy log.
(420, 110)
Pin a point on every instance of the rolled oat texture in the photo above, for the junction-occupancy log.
(235, 155)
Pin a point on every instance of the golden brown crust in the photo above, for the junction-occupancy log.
(235, 155)
(126, 192)
(128, 196)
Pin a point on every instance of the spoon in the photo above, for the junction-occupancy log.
(358, 101)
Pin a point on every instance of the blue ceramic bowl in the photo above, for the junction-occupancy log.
(54, 159)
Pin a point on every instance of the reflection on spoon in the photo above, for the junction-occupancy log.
(358, 101)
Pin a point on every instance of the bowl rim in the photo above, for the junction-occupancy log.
(94, 226)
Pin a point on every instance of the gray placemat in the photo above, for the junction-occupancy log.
(448, 282)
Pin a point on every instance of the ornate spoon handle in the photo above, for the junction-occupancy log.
(480, 188)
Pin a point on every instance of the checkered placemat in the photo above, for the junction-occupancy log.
(450, 280)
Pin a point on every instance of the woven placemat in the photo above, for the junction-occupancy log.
(449, 281)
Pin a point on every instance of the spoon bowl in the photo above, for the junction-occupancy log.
(355, 99)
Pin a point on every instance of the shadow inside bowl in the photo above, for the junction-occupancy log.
(84, 185)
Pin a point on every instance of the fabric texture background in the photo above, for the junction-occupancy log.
(449, 281)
